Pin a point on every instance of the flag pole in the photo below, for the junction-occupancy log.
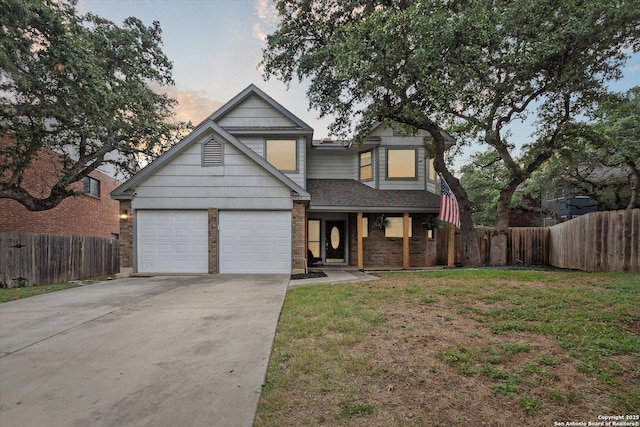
(450, 212)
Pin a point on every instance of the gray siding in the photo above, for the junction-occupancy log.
(332, 164)
(343, 164)
(184, 184)
(254, 112)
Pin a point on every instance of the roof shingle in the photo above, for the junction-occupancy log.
(350, 195)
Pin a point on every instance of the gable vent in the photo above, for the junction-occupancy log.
(212, 153)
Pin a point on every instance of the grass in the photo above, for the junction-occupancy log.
(16, 293)
(456, 348)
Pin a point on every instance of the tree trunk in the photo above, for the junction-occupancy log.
(469, 237)
(635, 185)
(498, 250)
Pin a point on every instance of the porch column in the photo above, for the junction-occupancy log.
(405, 240)
(359, 239)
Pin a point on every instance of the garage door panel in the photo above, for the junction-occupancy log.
(255, 242)
(172, 241)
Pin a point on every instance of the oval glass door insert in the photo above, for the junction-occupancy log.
(335, 237)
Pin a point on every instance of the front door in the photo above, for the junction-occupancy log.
(335, 241)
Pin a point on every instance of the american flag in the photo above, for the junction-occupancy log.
(449, 210)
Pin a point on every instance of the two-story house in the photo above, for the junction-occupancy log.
(250, 191)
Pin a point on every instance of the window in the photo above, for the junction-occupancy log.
(366, 166)
(313, 232)
(365, 226)
(394, 227)
(401, 163)
(282, 153)
(432, 171)
(91, 186)
(212, 153)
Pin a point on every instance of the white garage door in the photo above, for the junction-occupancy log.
(172, 241)
(254, 241)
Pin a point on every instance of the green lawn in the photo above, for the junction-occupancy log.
(462, 347)
(11, 294)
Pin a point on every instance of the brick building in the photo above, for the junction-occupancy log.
(92, 214)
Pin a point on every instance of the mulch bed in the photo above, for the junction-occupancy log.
(310, 275)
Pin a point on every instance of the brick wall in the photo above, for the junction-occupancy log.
(83, 215)
(299, 236)
(381, 251)
(126, 235)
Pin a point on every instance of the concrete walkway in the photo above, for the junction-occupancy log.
(163, 351)
(333, 277)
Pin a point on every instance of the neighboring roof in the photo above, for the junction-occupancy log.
(329, 144)
(123, 192)
(351, 195)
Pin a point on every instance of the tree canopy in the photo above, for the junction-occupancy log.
(78, 86)
(470, 67)
(603, 160)
(482, 179)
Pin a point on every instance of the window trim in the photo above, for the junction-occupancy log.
(360, 166)
(431, 170)
(365, 227)
(297, 158)
(86, 184)
(386, 228)
(319, 241)
(415, 166)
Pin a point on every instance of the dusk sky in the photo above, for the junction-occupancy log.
(216, 45)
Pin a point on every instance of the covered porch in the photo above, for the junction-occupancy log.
(350, 224)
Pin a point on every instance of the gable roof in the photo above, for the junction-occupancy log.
(124, 191)
(448, 139)
(351, 195)
(253, 90)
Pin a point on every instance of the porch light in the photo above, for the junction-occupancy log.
(124, 215)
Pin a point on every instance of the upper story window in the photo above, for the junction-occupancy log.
(212, 154)
(91, 186)
(432, 171)
(366, 166)
(282, 153)
(401, 163)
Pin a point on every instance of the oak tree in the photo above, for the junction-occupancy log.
(79, 87)
(603, 160)
(468, 67)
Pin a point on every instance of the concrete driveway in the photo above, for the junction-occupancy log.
(162, 351)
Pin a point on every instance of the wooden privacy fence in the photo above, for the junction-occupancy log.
(598, 241)
(525, 246)
(40, 259)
